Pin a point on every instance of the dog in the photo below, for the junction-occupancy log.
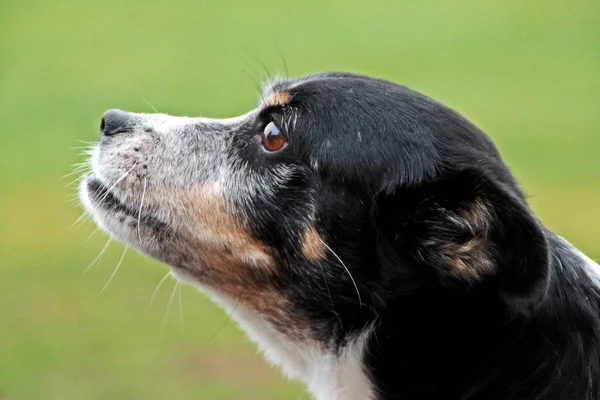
(368, 239)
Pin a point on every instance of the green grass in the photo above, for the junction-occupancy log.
(528, 73)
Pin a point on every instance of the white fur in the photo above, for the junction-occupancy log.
(592, 266)
(327, 376)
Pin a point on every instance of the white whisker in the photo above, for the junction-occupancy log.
(151, 105)
(164, 278)
(81, 163)
(117, 182)
(180, 308)
(169, 306)
(91, 234)
(346, 268)
(77, 170)
(81, 218)
(115, 271)
(73, 182)
(98, 257)
(140, 212)
(87, 147)
(73, 200)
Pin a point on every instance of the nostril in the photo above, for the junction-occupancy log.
(116, 121)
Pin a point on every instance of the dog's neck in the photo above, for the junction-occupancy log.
(327, 375)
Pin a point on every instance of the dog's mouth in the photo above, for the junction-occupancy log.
(102, 197)
(120, 218)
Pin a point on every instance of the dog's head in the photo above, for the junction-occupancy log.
(336, 195)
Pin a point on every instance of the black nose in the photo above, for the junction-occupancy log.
(116, 121)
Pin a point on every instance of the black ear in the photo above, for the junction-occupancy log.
(470, 230)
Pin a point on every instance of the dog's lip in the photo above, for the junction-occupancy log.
(102, 197)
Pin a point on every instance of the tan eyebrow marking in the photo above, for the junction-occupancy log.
(278, 99)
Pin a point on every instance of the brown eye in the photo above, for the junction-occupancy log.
(272, 138)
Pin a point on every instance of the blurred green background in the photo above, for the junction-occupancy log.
(527, 72)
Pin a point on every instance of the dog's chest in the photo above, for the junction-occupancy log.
(327, 376)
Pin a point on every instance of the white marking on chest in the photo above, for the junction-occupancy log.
(328, 376)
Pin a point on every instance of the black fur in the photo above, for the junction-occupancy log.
(469, 296)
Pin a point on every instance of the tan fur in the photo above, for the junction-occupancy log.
(473, 259)
(470, 260)
(312, 245)
(231, 261)
(278, 99)
(224, 243)
(478, 216)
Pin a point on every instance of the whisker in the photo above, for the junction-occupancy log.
(80, 164)
(180, 308)
(80, 219)
(115, 271)
(79, 176)
(76, 167)
(73, 200)
(77, 170)
(117, 182)
(91, 234)
(151, 105)
(74, 181)
(164, 278)
(270, 80)
(346, 268)
(169, 306)
(214, 335)
(98, 257)
(285, 65)
(256, 84)
(140, 212)
(329, 293)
